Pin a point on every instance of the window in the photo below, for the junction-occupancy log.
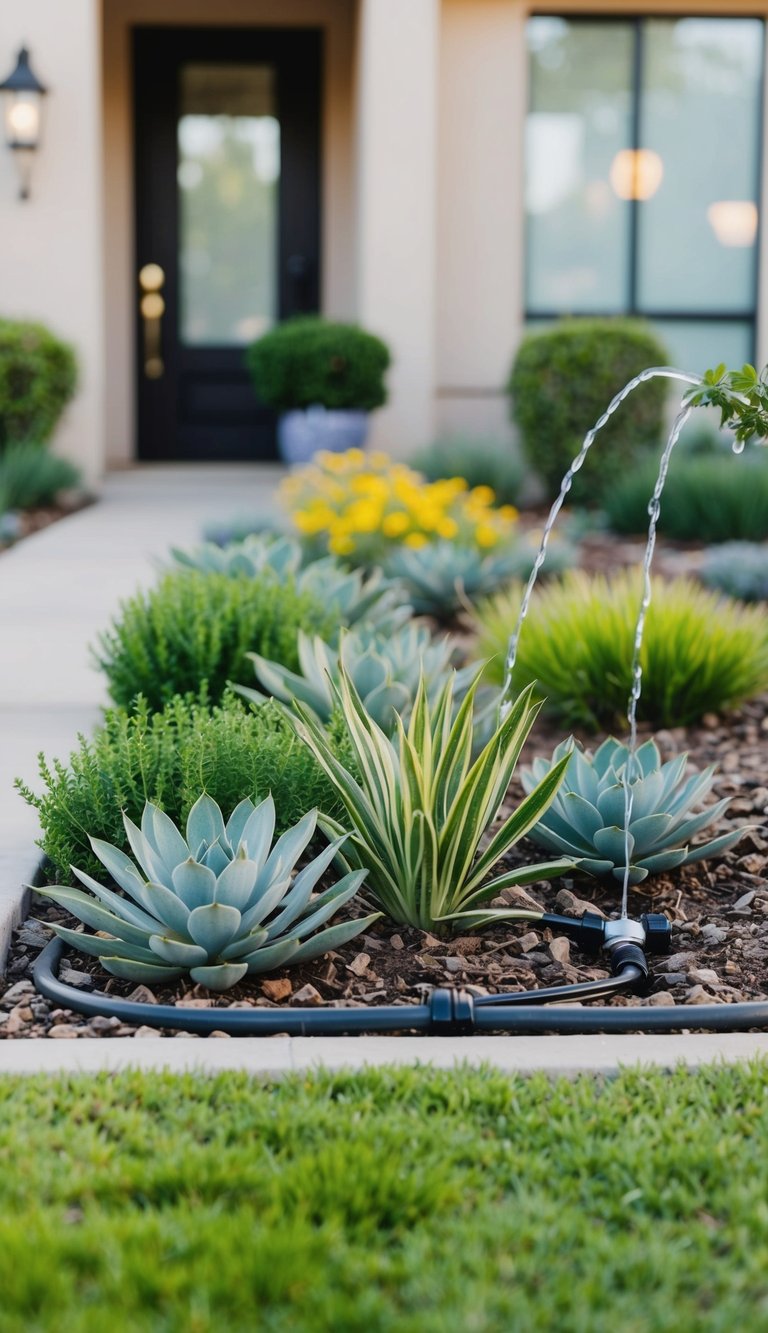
(642, 177)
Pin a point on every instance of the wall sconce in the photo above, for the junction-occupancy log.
(734, 221)
(636, 173)
(23, 97)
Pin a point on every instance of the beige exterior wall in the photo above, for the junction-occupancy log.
(50, 257)
(422, 221)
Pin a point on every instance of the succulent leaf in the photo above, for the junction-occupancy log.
(661, 823)
(243, 910)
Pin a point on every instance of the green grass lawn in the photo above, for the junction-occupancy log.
(413, 1201)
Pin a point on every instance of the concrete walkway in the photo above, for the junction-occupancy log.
(58, 590)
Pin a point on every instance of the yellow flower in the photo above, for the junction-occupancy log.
(486, 535)
(395, 524)
(508, 512)
(311, 521)
(447, 527)
(482, 495)
(415, 539)
(341, 544)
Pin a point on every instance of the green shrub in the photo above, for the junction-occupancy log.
(30, 476)
(195, 629)
(37, 379)
(706, 499)
(480, 462)
(739, 569)
(561, 382)
(168, 758)
(701, 652)
(309, 361)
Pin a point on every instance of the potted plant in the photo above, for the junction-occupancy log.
(323, 379)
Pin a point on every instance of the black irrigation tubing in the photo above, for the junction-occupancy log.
(448, 1013)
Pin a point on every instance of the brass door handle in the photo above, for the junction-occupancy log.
(152, 307)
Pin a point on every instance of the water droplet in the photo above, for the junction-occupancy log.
(738, 446)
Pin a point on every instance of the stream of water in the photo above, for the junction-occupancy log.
(654, 510)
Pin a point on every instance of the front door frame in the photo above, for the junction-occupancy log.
(158, 53)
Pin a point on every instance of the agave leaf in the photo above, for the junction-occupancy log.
(290, 846)
(584, 816)
(237, 881)
(611, 805)
(259, 831)
(647, 758)
(335, 898)
(333, 937)
(648, 831)
(205, 822)
(593, 866)
(271, 956)
(301, 889)
(682, 831)
(129, 970)
(214, 926)
(147, 857)
(283, 684)
(266, 900)
(691, 792)
(604, 755)
(92, 914)
(119, 866)
(520, 821)
(163, 836)
(237, 822)
(613, 842)
(167, 907)
(195, 884)
(647, 794)
(668, 860)
(546, 837)
(717, 845)
(97, 947)
(220, 976)
(673, 774)
(244, 944)
(530, 874)
(215, 858)
(177, 952)
(122, 907)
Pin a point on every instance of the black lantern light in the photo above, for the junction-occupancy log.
(22, 113)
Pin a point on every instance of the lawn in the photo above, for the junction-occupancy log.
(413, 1201)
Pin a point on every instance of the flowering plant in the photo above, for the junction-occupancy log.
(360, 506)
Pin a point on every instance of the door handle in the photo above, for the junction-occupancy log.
(152, 308)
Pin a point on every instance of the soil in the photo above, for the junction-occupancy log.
(718, 909)
(34, 520)
(719, 912)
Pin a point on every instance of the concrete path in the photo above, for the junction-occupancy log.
(58, 589)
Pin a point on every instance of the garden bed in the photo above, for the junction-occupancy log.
(35, 520)
(719, 911)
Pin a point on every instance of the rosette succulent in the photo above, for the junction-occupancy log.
(586, 819)
(384, 668)
(441, 577)
(217, 904)
(350, 594)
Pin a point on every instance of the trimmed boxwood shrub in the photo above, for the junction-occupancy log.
(231, 751)
(309, 361)
(561, 382)
(38, 375)
(193, 630)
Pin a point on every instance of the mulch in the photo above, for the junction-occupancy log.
(34, 520)
(718, 909)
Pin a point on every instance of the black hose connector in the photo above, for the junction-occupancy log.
(658, 932)
(451, 1013)
(626, 957)
(587, 931)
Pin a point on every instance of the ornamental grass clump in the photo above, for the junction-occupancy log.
(422, 805)
(715, 498)
(701, 652)
(168, 758)
(217, 903)
(362, 506)
(586, 820)
(195, 630)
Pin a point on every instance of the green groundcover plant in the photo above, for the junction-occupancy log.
(217, 903)
(168, 758)
(421, 805)
(388, 1200)
(30, 476)
(196, 629)
(711, 498)
(586, 820)
(701, 652)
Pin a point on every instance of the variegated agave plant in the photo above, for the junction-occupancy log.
(217, 904)
(351, 594)
(384, 668)
(586, 818)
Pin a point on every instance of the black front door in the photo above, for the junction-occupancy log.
(227, 226)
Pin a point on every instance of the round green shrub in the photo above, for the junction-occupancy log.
(309, 361)
(193, 631)
(707, 498)
(231, 751)
(701, 652)
(563, 379)
(38, 374)
(31, 476)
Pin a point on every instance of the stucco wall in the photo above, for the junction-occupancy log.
(50, 256)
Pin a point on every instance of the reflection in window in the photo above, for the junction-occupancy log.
(642, 176)
(228, 172)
